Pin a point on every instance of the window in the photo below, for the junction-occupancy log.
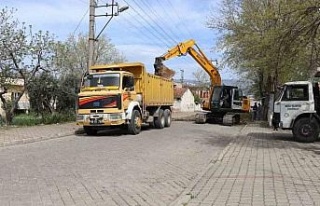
(128, 83)
(102, 80)
(236, 95)
(14, 95)
(296, 93)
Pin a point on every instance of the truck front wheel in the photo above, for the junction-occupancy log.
(306, 130)
(159, 121)
(134, 127)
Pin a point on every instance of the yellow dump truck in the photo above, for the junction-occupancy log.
(124, 95)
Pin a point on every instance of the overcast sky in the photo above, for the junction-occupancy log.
(144, 31)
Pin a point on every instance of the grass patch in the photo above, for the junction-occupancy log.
(33, 119)
(26, 120)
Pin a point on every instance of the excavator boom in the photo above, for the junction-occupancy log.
(184, 48)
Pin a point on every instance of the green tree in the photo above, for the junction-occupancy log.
(43, 92)
(23, 55)
(202, 78)
(72, 55)
(269, 41)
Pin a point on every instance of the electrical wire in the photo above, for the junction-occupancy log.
(77, 27)
(165, 21)
(186, 28)
(152, 27)
(148, 35)
(155, 22)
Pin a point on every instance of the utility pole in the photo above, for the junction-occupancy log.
(92, 15)
(91, 32)
(182, 75)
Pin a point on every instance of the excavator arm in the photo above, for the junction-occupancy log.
(184, 48)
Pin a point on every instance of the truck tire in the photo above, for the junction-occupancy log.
(90, 131)
(306, 130)
(159, 121)
(167, 118)
(134, 127)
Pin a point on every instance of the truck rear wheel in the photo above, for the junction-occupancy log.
(306, 130)
(159, 121)
(134, 127)
(90, 131)
(167, 118)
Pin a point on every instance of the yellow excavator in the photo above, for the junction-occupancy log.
(225, 102)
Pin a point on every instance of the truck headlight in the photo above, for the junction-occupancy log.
(115, 116)
(80, 117)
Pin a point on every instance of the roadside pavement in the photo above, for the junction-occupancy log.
(11, 135)
(260, 167)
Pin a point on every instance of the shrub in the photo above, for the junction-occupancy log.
(26, 120)
(59, 118)
(32, 119)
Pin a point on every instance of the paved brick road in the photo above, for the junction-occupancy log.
(190, 167)
(260, 167)
(151, 168)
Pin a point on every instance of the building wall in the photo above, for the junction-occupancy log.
(23, 104)
(186, 103)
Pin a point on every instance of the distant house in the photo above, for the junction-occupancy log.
(183, 99)
(14, 88)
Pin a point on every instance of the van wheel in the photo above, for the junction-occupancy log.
(90, 131)
(134, 127)
(159, 121)
(306, 130)
(167, 118)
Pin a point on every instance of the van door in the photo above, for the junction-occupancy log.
(295, 100)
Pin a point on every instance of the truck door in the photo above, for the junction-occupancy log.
(129, 92)
(295, 100)
(236, 100)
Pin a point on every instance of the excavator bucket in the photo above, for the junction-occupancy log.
(161, 70)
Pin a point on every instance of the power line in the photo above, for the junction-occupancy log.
(155, 22)
(143, 18)
(166, 21)
(80, 22)
(179, 17)
(147, 34)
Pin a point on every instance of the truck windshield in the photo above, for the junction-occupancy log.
(102, 80)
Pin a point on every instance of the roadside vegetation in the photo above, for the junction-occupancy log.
(50, 70)
(268, 42)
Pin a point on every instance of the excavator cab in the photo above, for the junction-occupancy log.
(226, 98)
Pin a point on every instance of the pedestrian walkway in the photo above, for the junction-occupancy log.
(21, 135)
(260, 167)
